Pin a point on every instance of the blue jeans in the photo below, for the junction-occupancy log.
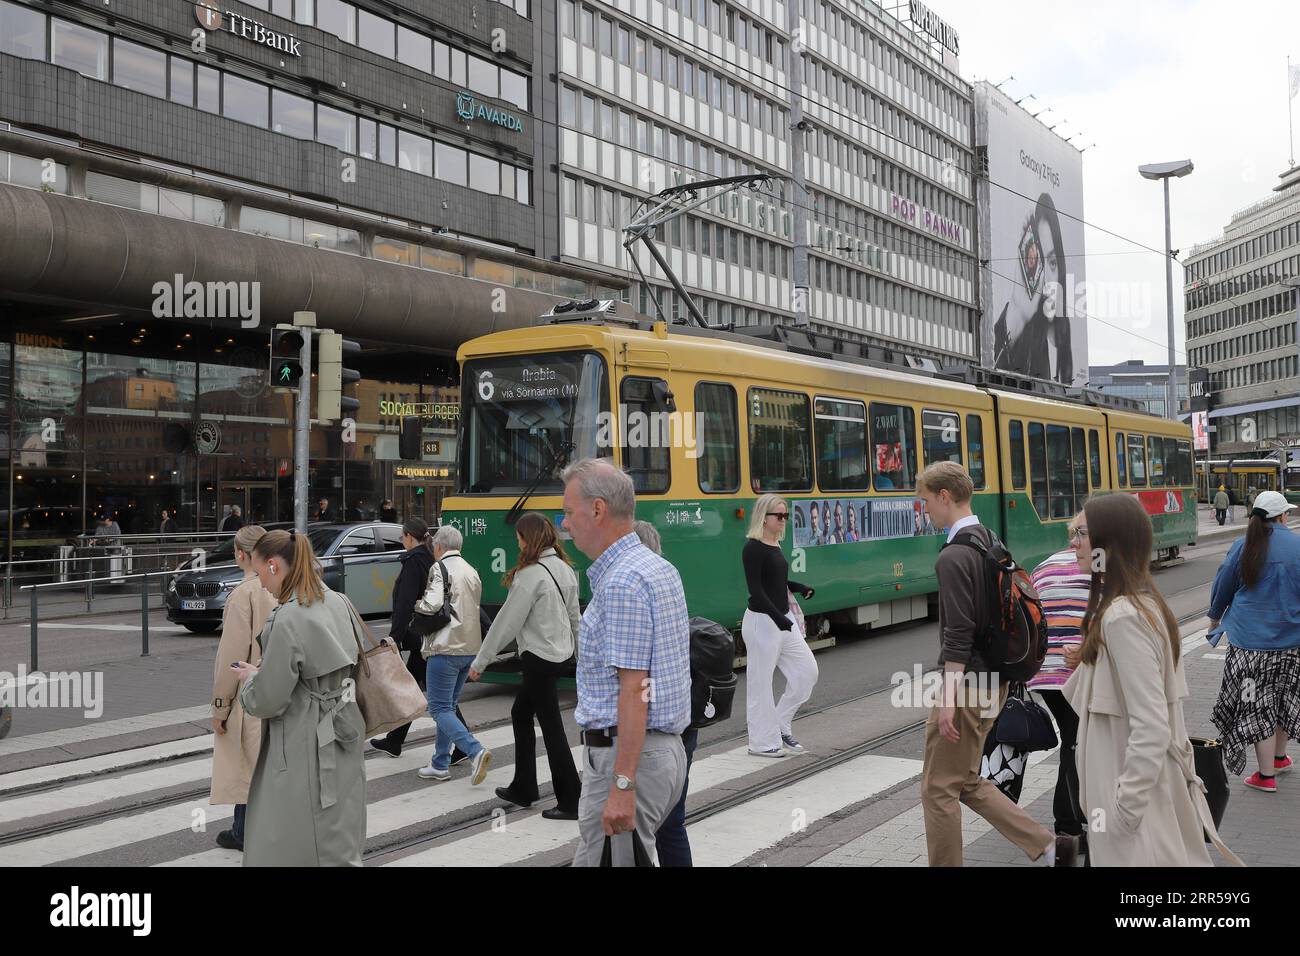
(670, 842)
(237, 827)
(444, 680)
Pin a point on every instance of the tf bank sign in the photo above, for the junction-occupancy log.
(212, 19)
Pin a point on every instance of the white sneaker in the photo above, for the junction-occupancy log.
(774, 752)
(479, 768)
(433, 773)
(792, 745)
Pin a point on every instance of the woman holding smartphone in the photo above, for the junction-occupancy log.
(307, 802)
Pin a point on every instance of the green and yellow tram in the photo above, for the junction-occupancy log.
(705, 421)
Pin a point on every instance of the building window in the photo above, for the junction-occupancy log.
(181, 89)
(414, 153)
(244, 100)
(451, 164)
(209, 89)
(273, 225)
(414, 49)
(514, 88)
(81, 49)
(483, 77)
(292, 115)
(376, 34)
(338, 18)
(339, 129)
(484, 174)
(139, 68)
(22, 32)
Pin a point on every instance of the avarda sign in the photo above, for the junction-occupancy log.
(211, 18)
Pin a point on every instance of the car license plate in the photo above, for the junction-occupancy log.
(194, 605)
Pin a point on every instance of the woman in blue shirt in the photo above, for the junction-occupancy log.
(1257, 596)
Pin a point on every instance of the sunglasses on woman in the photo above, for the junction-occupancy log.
(783, 515)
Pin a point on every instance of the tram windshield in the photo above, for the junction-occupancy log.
(525, 415)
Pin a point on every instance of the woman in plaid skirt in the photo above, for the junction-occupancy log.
(1256, 602)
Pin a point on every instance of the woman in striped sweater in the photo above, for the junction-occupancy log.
(1063, 581)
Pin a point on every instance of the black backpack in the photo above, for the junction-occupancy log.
(713, 680)
(1014, 642)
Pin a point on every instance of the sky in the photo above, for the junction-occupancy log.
(1148, 81)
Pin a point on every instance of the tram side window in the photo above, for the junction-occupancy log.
(1038, 467)
(648, 438)
(975, 449)
(1080, 469)
(1137, 461)
(841, 445)
(1094, 457)
(1016, 443)
(718, 466)
(940, 437)
(1173, 464)
(1121, 460)
(893, 446)
(780, 454)
(1156, 460)
(1184, 459)
(1060, 473)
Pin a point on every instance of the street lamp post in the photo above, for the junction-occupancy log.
(1164, 171)
(1293, 282)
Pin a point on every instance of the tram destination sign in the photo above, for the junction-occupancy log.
(530, 383)
(210, 18)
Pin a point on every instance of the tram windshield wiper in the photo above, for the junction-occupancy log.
(559, 456)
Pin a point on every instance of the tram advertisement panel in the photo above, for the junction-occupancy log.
(823, 521)
(1160, 502)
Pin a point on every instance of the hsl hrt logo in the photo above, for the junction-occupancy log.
(465, 106)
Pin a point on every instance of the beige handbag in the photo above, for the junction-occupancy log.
(387, 694)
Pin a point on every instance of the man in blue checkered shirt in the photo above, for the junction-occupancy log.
(634, 672)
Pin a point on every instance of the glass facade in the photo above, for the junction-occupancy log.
(141, 416)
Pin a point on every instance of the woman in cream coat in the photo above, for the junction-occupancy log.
(1140, 796)
(238, 735)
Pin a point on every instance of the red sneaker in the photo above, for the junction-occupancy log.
(1257, 782)
(1281, 764)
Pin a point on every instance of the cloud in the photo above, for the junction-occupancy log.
(1147, 82)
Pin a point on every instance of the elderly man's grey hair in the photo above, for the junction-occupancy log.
(599, 478)
(448, 538)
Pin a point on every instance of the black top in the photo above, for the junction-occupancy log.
(765, 575)
(411, 581)
(169, 526)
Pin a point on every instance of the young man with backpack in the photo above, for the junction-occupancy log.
(973, 641)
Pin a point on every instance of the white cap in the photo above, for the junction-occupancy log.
(1272, 503)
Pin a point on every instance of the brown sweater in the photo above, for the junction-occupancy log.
(963, 600)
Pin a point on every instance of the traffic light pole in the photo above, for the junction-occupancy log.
(302, 425)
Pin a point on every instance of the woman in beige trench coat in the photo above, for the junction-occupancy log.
(237, 734)
(1142, 801)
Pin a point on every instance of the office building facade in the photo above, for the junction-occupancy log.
(657, 93)
(176, 178)
(1140, 382)
(1241, 323)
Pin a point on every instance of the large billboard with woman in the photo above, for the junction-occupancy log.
(1031, 245)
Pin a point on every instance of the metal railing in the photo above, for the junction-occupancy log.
(341, 560)
(71, 570)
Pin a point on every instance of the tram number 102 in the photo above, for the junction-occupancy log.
(898, 569)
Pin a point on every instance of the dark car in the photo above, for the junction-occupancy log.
(360, 559)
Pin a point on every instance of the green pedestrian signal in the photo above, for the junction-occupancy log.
(286, 352)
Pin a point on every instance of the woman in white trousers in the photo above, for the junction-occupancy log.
(772, 638)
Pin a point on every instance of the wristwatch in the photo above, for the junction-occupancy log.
(626, 784)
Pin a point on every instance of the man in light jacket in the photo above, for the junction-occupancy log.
(1221, 504)
(450, 653)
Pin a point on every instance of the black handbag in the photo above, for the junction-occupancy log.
(422, 625)
(1208, 755)
(639, 856)
(1024, 723)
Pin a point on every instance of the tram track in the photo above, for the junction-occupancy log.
(803, 769)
